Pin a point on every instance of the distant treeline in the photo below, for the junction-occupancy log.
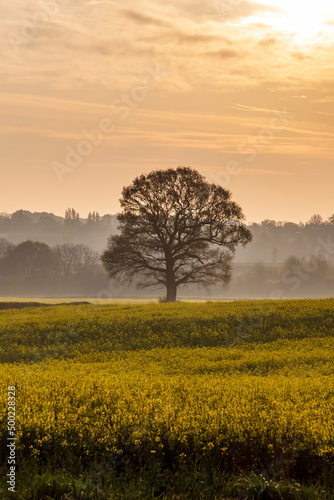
(53, 230)
(43, 254)
(273, 242)
(33, 268)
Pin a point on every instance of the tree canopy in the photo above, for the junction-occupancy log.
(175, 229)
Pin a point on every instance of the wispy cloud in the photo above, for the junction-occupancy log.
(143, 19)
(225, 54)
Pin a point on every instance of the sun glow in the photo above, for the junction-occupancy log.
(306, 21)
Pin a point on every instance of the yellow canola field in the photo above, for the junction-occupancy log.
(92, 384)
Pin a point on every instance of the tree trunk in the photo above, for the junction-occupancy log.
(171, 292)
(171, 285)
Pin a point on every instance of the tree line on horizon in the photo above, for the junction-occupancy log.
(272, 241)
(176, 230)
(32, 267)
(74, 270)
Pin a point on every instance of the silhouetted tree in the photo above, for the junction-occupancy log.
(331, 220)
(93, 218)
(66, 255)
(315, 220)
(75, 259)
(47, 224)
(305, 273)
(19, 221)
(291, 264)
(5, 247)
(173, 228)
(268, 224)
(30, 259)
(71, 216)
(318, 269)
(71, 224)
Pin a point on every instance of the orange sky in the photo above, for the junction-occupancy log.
(241, 91)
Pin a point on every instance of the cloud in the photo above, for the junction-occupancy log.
(224, 10)
(224, 54)
(268, 42)
(95, 2)
(110, 45)
(144, 19)
(324, 113)
(299, 56)
(270, 172)
(252, 108)
(248, 9)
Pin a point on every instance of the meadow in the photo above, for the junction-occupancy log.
(188, 400)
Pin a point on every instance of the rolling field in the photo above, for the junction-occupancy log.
(187, 400)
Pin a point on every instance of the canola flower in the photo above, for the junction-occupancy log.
(165, 382)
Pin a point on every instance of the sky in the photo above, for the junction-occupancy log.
(94, 93)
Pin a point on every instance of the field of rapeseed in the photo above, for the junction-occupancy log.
(216, 400)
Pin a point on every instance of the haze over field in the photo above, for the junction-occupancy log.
(294, 260)
(182, 83)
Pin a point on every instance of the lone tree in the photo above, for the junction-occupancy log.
(175, 229)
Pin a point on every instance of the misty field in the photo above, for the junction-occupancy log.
(214, 400)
